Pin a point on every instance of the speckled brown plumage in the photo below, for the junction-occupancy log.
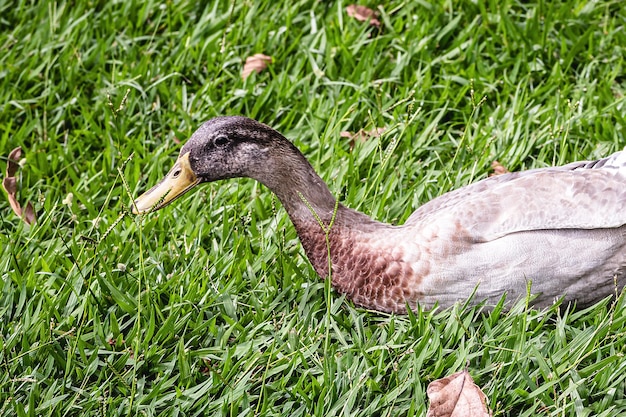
(562, 230)
(369, 274)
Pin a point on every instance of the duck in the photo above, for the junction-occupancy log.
(544, 235)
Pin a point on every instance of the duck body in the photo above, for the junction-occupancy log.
(558, 232)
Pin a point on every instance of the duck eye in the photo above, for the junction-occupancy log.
(221, 140)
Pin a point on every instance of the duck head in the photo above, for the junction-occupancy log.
(223, 147)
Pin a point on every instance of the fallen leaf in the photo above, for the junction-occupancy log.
(14, 161)
(456, 396)
(498, 169)
(362, 135)
(363, 14)
(255, 63)
(9, 183)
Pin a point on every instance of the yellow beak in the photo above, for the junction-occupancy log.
(177, 182)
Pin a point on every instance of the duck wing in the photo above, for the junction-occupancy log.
(580, 195)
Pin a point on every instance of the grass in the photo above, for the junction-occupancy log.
(209, 307)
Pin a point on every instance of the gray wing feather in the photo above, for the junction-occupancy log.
(580, 195)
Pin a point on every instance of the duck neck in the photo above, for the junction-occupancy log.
(291, 177)
(312, 208)
(309, 200)
(322, 223)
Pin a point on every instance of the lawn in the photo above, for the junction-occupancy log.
(210, 307)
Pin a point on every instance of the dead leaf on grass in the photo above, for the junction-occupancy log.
(255, 63)
(498, 169)
(456, 396)
(363, 14)
(9, 183)
(362, 135)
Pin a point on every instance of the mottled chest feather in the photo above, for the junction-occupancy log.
(365, 267)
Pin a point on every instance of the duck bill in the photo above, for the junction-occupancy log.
(177, 182)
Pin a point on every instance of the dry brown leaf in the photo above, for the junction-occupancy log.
(13, 161)
(456, 396)
(9, 183)
(362, 135)
(255, 63)
(498, 169)
(363, 14)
